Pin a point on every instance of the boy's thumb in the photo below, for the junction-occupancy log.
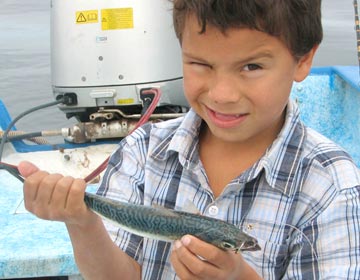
(27, 168)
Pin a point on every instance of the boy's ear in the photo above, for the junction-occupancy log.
(304, 65)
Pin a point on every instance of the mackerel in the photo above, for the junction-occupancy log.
(169, 225)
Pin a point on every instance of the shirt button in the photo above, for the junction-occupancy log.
(213, 210)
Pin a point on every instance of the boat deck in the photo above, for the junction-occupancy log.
(329, 101)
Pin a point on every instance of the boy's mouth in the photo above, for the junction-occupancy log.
(225, 120)
(226, 117)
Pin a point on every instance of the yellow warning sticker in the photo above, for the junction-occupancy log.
(90, 16)
(120, 18)
(126, 101)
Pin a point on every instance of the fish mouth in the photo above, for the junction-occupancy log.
(255, 248)
(251, 248)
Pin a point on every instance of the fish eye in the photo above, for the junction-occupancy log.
(227, 245)
(250, 244)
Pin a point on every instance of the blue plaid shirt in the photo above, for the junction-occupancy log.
(300, 200)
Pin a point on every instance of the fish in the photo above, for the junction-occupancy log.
(168, 225)
(163, 223)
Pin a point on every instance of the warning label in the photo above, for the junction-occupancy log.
(90, 16)
(120, 18)
(126, 101)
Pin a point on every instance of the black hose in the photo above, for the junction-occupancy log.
(12, 123)
(146, 104)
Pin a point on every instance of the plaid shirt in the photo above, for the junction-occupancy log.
(300, 200)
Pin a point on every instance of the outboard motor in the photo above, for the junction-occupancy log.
(108, 56)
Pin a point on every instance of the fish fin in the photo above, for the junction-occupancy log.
(158, 206)
(188, 207)
(164, 210)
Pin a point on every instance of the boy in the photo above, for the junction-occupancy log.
(241, 155)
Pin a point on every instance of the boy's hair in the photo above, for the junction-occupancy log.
(297, 23)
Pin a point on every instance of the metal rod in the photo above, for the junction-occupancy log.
(357, 28)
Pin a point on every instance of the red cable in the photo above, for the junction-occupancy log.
(157, 94)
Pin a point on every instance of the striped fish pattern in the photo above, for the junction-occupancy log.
(169, 225)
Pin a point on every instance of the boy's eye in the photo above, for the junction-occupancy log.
(251, 67)
(199, 64)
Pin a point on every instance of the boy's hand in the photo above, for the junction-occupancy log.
(196, 259)
(54, 197)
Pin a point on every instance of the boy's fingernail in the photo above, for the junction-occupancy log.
(177, 244)
(185, 240)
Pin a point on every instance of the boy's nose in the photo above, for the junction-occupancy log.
(223, 89)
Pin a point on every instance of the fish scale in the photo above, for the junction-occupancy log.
(168, 225)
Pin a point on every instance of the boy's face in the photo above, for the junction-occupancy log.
(239, 82)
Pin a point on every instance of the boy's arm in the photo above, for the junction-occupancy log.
(58, 198)
(97, 256)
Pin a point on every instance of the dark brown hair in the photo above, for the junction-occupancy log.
(296, 22)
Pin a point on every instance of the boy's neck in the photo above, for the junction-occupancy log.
(223, 161)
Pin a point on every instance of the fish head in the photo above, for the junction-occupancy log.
(244, 243)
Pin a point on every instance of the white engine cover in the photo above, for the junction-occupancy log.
(104, 51)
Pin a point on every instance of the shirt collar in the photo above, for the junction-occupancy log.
(282, 159)
(280, 162)
(182, 139)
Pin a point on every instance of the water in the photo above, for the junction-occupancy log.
(25, 79)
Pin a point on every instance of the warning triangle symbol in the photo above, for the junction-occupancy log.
(81, 18)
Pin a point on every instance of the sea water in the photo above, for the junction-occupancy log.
(25, 79)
